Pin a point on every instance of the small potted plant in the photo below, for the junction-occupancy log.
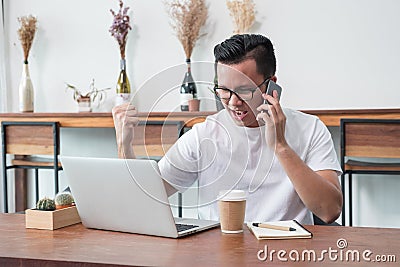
(194, 104)
(86, 100)
(51, 214)
(64, 200)
(46, 204)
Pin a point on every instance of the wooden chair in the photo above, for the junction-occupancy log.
(154, 138)
(27, 140)
(368, 140)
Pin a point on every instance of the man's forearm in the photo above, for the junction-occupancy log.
(319, 191)
(125, 151)
(169, 188)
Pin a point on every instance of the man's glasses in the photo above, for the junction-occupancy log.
(244, 94)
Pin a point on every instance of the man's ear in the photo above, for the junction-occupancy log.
(274, 79)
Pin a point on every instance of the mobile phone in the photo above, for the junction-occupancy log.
(272, 86)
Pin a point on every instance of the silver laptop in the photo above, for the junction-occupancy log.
(126, 196)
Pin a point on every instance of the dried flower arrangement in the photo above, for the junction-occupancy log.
(93, 93)
(120, 27)
(26, 34)
(242, 13)
(187, 18)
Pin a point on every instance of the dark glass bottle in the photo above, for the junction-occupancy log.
(188, 88)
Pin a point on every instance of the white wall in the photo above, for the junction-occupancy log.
(331, 54)
(3, 92)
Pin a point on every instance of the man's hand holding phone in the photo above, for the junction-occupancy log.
(271, 87)
(272, 115)
(274, 91)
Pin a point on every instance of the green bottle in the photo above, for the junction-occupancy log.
(123, 86)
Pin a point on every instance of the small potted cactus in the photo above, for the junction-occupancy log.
(46, 204)
(52, 214)
(63, 200)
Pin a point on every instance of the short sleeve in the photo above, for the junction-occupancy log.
(179, 166)
(321, 153)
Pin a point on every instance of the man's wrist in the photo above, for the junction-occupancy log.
(125, 150)
(282, 150)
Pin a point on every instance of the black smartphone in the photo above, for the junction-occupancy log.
(272, 86)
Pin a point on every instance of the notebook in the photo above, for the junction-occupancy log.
(269, 233)
(126, 195)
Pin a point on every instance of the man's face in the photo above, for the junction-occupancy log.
(239, 77)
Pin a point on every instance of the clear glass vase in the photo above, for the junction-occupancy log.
(26, 93)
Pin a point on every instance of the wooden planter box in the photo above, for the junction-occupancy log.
(51, 220)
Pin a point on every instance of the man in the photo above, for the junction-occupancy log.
(283, 158)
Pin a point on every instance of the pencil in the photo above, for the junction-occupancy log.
(275, 227)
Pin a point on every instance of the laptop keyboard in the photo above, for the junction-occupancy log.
(183, 227)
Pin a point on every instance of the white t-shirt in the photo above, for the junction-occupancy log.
(221, 156)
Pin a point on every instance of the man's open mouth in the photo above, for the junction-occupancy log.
(239, 114)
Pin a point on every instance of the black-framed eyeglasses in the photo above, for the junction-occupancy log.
(244, 94)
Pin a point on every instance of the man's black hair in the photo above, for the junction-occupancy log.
(241, 47)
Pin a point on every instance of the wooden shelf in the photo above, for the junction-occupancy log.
(104, 120)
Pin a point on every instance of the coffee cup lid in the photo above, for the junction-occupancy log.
(232, 195)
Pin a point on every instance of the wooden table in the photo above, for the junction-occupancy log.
(77, 246)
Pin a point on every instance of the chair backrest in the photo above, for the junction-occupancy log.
(30, 138)
(373, 138)
(154, 138)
